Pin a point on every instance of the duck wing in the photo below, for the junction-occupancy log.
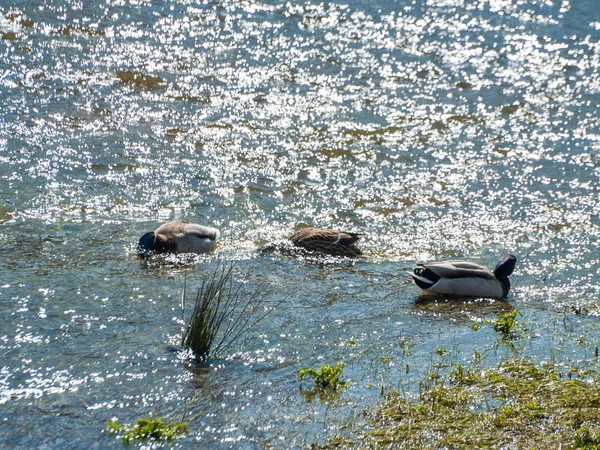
(457, 269)
(331, 242)
(309, 235)
(181, 236)
(171, 229)
(201, 231)
(179, 228)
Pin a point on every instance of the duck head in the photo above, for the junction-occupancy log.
(503, 270)
(146, 244)
(505, 267)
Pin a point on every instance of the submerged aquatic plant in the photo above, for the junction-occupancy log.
(507, 323)
(222, 312)
(149, 429)
(327, 378)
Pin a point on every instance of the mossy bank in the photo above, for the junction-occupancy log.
(517, 405)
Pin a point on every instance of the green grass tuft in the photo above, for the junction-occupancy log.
(222, 313)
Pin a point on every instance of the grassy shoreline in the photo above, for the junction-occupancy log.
(518, 404)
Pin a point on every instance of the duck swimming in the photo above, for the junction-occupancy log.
(465, 278)
(324, 240)
(317, 240)
(178, 236)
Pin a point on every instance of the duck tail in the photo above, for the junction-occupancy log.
(424, 277)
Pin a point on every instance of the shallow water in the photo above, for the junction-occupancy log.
(441, 129)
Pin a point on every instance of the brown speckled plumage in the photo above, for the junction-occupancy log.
(330, 242)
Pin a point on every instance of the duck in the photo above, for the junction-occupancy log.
(328, 241)
(465, 278)
(179, 236)
(317, 240)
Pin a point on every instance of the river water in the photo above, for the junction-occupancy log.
(440, 129)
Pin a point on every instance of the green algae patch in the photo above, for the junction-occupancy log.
(148, 429)
(517, 405)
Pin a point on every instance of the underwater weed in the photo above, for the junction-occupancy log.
(328, 377)
(221, 314)
(146, 428)
(463, 376)
(507, 323)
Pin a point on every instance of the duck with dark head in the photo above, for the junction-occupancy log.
(465, 278)
(178, 236)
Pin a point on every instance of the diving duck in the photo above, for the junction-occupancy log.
(317, 240)
(465, 278)
(330, 242)
(178, 236)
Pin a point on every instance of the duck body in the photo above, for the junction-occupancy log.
(313, 240)
(327, 241)
(465, 278)
(179, 236)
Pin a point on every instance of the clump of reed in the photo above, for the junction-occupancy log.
(222, 312)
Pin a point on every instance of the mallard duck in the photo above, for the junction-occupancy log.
(178, 236)
(465, 278)
(316, 240)
(330, 242)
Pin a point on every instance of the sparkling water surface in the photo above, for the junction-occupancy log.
(441, 129)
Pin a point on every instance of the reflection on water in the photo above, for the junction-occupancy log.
(441, 129)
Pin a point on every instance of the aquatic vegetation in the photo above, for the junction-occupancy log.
(463, 376)
(443, 129)
(584, 438)
(519, 404)
(222, 313)
(327, 378)
(139, 80)
(385, 360)
(406, 344)
(148, 429)
(507, 323)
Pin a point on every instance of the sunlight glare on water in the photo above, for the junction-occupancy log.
(441, 129)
